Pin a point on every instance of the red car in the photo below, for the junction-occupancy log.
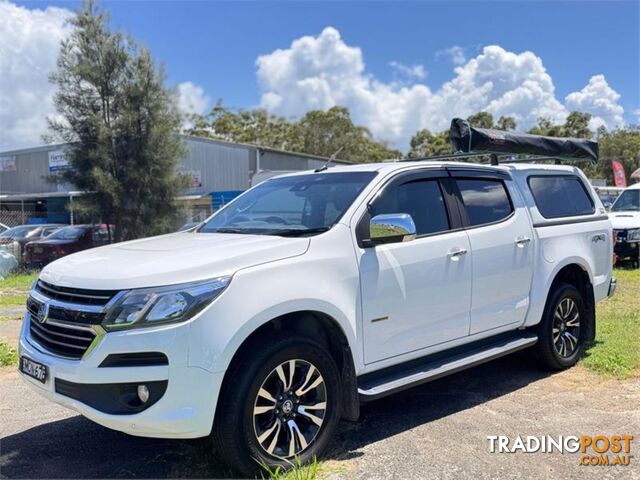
(65, 241)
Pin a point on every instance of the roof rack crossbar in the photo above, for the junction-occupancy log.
(494, 158)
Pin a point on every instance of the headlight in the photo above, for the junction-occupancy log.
(147, 307)
(633, 235)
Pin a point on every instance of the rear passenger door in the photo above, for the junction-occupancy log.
(500, 235)
(415, 294)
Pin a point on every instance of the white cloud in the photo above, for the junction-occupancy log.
(323, 71)
(456, 54)
(191, 98)
(416, 70)
(29, 44)
(600, 100)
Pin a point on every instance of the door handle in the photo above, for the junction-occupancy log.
(456, 253)
(522, 241)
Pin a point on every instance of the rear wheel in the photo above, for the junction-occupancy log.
(561, 331)
(278, 404)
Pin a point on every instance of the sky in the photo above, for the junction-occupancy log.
(398, 66)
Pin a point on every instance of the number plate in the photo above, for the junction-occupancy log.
(37, 249)
(33, 369)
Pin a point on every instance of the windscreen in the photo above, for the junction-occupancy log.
(291, 206)
(67, 233)
(628, 201)
(18, 232)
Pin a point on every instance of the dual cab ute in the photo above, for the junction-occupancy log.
(312, 292)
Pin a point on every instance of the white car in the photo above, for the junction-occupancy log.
(312, 292)
(625, 218)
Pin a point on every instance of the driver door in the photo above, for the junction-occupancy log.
(415, 294)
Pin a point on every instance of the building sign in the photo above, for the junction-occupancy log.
(58, 161)
(8, 164)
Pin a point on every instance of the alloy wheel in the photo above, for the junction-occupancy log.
(290, 408)
(566, 327)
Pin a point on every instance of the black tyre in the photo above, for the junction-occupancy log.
(561, 331)
(280, 401)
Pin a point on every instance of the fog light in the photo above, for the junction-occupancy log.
(143, 393)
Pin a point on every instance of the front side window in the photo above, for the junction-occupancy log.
(422, 199)
(560, 196)
(628, 201)
(485, 200)
(291, 206)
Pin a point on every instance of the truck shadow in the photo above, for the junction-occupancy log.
(78, 448)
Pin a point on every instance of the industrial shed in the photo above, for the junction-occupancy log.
(219, 171)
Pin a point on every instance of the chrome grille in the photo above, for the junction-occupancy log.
(66, 333)
(75, 295)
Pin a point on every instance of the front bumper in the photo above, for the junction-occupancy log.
(627, 249)
(185, 410)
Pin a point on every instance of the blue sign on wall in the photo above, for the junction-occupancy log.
(220, 199)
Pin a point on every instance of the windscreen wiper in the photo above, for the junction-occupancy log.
(296, 232)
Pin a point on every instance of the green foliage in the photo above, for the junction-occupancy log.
(616, 351)
(481, 120)
(297, 471)
(317, 133)
(122, 125)
(8, 355)
(426, 144)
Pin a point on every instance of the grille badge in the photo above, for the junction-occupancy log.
(43, 312)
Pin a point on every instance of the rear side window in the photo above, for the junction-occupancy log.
(485, 201)
(422, 199)
(560, 196)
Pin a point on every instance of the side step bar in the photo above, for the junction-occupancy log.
(400, 377)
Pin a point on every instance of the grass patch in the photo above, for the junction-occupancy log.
(616, 351)
(14, 289)
(298, 471)
(8, 355)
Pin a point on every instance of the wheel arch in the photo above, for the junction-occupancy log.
(317, 325)
(579, 275)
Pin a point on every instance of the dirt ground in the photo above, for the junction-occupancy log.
(438, 430)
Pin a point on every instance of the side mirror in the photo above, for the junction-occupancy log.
(391, 228)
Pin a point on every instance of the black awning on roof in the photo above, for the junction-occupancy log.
(467, 139)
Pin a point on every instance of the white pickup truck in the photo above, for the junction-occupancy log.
(313, 292)
(625, 217)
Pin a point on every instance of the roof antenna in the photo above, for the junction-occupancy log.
(328, 162)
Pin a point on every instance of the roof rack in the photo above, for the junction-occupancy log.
(470, 142)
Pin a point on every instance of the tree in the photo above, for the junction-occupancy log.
(318, 132)
(622, 145)
(506, 123)
(122, 127)
(481, 120)
(426, 144)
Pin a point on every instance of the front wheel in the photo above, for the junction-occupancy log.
(561, 331)
(279, 403)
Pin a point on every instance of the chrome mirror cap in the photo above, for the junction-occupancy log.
(391, 228)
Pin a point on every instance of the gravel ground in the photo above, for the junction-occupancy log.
(434, 431)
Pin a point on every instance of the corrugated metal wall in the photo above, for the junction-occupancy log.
(220, 166)
(32, 167)
(214, 166)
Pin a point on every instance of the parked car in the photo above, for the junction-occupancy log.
(64, 241)
(625, 217)
(23, 234)
(314, 291)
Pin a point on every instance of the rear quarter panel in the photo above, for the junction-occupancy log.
(585, 241)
